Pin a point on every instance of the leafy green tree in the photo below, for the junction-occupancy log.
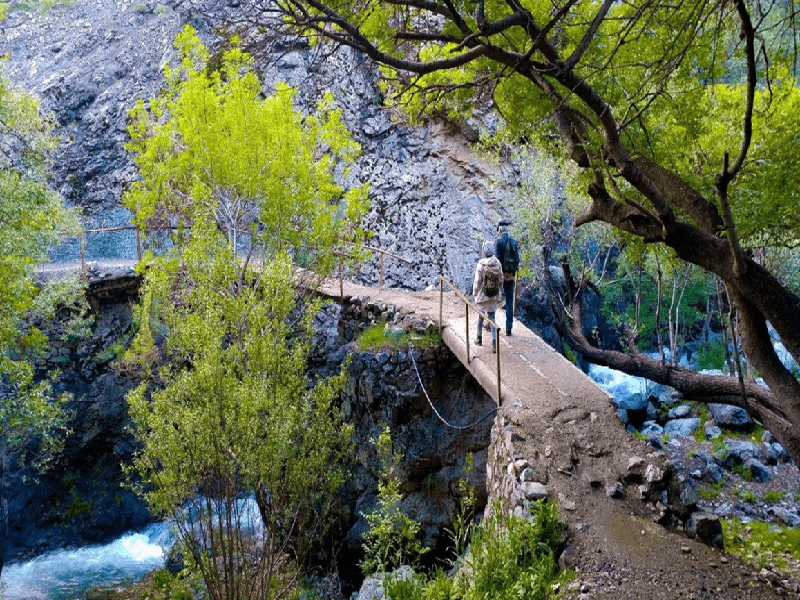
(231, 414)
(682, 118)
(31, 219)
(211, 148)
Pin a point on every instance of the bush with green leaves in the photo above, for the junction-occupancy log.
(392, 539)
(509, 557)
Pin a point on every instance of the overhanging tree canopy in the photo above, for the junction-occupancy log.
(682, 116)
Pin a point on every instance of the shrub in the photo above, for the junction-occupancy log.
(510, 557)
(379, 336)
(774, 496)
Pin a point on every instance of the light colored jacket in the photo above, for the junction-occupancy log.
(484, 302)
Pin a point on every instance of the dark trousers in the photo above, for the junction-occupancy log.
(508, 290)
(480, 328)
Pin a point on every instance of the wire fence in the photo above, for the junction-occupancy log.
(85, 237)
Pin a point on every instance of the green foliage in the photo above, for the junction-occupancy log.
(463, 519)
(774, 496)
(381, 336)
(77, 506)
(512, 557)
(711, 356)
(710, 491)
(32, 419)
(213, 153)
(746, 495)
(509, 557)
(392, 539)
(761, 543)
(229, 411)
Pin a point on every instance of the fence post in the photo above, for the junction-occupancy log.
(83, 255)
(497, 347)
(138, 244)
(466, 305)
(380, 277)
(441, 303)
(514, 305)
(341, 282)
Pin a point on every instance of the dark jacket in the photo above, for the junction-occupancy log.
(501, 246)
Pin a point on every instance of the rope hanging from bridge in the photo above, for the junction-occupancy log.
(436, 412)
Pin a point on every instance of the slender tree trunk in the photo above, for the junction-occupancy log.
(3, 501)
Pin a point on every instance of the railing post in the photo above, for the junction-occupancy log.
(514, 304)
(466, 305)
(341, 282)
(441, 302)
(83, 255)
(380, 277)
(497, 347)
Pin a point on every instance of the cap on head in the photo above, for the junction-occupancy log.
(502, 226)
(487, 248)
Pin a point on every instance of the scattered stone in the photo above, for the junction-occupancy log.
(527, 475)
(712, 432)
(651, 428)
(737, 452)
(730, 416)
(706, 527)
(533, 490)
(684, 427)
(616, 490)
(759, 471)
(636, 469)
(680, 412)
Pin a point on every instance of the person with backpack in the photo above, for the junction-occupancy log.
(507, 253)
(487, 288)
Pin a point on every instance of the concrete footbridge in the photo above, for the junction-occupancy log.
(555, 434)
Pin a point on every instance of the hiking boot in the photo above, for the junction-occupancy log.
(478, 342)
(494, 349)
(508, 333)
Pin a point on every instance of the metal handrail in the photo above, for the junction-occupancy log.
(467, 303)
(138, 231)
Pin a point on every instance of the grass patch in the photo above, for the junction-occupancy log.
(746, 495)
(710, 491)
(774, 496)
(744, 472)
(699, 434)
(381, 337)
(761, 544)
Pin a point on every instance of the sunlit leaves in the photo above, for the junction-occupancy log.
(212, 151)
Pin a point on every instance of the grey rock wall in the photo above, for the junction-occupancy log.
(432, 199)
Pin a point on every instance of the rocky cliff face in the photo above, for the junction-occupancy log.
(90, 60)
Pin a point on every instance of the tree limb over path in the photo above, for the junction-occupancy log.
(634, 91)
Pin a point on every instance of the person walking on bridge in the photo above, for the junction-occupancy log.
(507, 253)
(486, 289)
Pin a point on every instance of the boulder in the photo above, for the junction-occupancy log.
(706, 527)
(651, 428)
(736, 453)
(758, 470)
(680, 412)
(730, 416)
(684, 427)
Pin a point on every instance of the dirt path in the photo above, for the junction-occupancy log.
(565, 426)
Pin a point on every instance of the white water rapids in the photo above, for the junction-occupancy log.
(67, 574)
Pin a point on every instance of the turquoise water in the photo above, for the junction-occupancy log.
(67, 574)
